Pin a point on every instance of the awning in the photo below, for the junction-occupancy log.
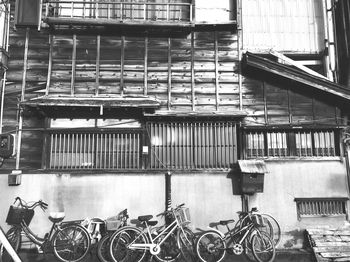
(296, 74)
(104, 101)
(252, 166)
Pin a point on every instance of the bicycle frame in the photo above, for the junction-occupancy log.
(155, 247)
(36, 239)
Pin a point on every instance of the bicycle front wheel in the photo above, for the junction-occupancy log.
(263, 247)
(186, 243)
(13, 235)
(103, 249)
(210, 247)
(71, 243)
(120, 241)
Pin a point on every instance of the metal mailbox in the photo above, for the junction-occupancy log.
(252, 176)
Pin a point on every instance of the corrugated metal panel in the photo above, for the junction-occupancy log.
(252, 166)
(284, 25)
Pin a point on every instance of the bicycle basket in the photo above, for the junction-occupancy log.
(183, 215)
(113, 223)
(258, 220)
(17, 214)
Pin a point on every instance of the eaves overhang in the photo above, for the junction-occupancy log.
(295, 74)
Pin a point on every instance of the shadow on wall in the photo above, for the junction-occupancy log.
(235, 176)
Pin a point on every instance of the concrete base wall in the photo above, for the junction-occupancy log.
(210, 196)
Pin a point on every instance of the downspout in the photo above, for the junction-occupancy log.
(346, 142)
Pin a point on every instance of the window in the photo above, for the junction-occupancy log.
(318, 207)
(116, 146)
(288, 143)
(192, 145)
(136, 10)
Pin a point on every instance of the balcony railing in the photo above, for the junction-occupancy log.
(119, 11)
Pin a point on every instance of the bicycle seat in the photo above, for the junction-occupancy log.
(145, 218)
(225, 222)
(56, 217)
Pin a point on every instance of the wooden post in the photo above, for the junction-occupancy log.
(216, 70)
(98, 55)
(169, 73)
(74, 58)
(192, 72)
(145, 68)
(122, 54)
(167, 194)
(239, 48)
(49, 69)
(20, 110)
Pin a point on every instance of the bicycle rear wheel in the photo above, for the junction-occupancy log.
(103, 249)
(210, 247)
(169, 250)
(263, 247)
(71, 243)
(13, 235)
(186, 243)
(119, 245)
(275, 228)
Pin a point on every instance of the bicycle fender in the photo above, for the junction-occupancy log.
(217, 231)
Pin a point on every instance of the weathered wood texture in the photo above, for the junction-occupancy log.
(330, 244)
(277, 101)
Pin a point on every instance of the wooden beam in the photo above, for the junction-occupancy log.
(145, 68)
(49, 69)
(216, 51)
(297, 65)
(169, 73)
(98, 55)
(74, 60)
(192, 72)
(122, 57)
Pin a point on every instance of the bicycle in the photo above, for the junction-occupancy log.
(211, 245)
(111, 225)
(167, 243)
(69, 242)
(271, 226)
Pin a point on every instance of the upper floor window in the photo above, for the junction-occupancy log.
(291, 143)
(137, 10)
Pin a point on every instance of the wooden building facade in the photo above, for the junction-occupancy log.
(105, 97)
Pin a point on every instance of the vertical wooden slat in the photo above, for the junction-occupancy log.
(74, 58)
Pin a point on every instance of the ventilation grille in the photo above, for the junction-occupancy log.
(319, 207)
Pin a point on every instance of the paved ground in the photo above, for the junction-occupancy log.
(282, 256)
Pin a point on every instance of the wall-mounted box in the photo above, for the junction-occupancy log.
(7, 145)
(27, 13)
(252, 176)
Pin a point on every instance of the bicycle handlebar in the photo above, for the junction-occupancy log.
(23, 204)
(171, 210)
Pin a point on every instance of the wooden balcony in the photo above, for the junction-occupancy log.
(118, 14)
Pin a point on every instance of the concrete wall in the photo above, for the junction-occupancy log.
(210, 196)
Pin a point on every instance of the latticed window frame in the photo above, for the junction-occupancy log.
(102, 149)
(290, 143)
(208, 145)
